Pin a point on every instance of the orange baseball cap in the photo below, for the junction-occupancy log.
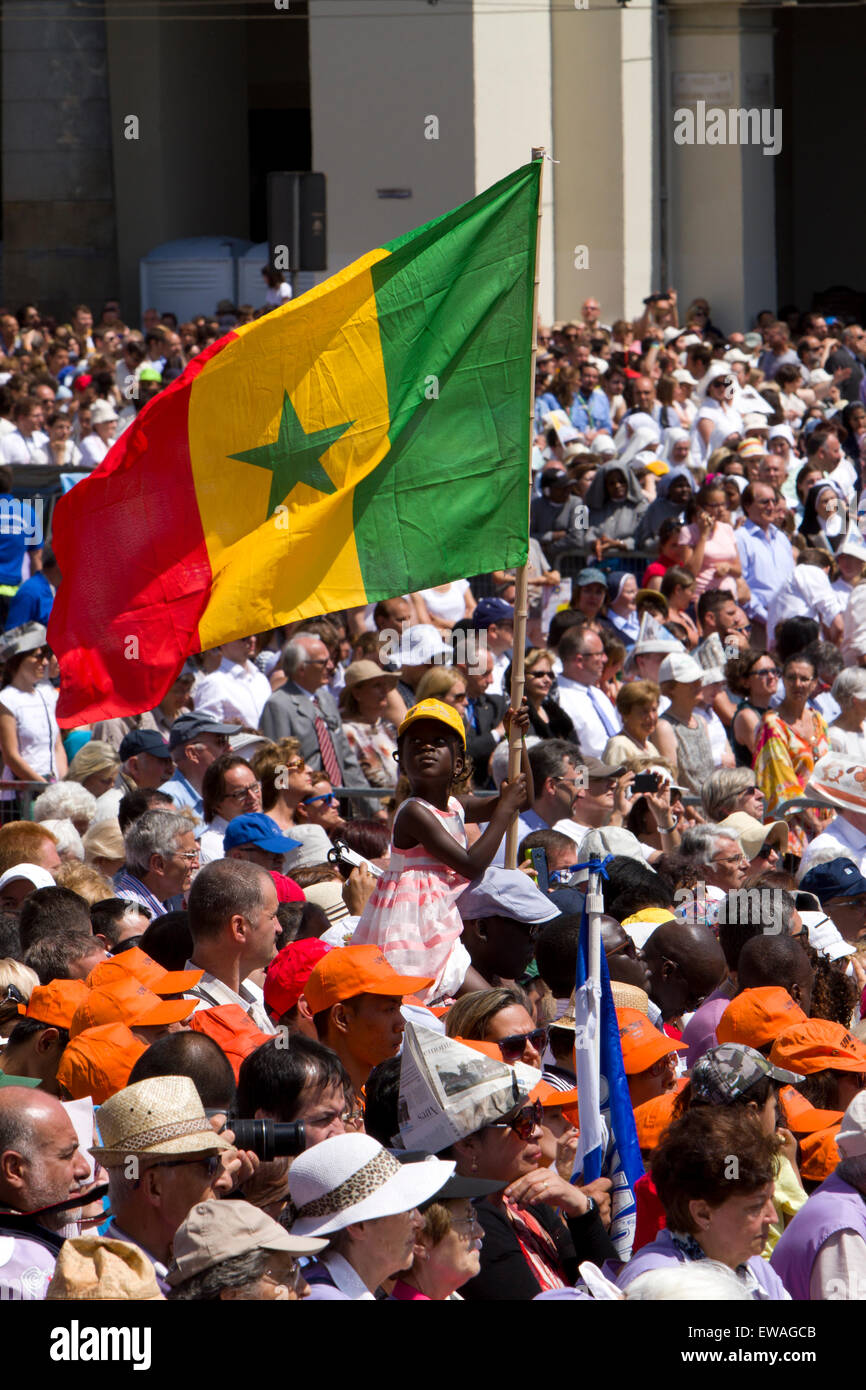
(757, 1016)
(98, 1061)
(653, 1117)
(351, 970)
(641, 1043)
(231, 1027)
(138, 963)
(128, 1001)
(803, 1118)
(819, 1155)
(816, 1044)
(56, 1002)
(552, 1099)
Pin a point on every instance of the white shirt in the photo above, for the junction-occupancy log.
(15, 448)
(278, 294)
(845, 476)
(213, 992)
(808, 592)
(233, 692)
(345, 1277)
(853, 745)
(36, 727)
(210, 845)
(842, 836)
(93, 450)
(500, 666)
(450, 606)
(594, 718)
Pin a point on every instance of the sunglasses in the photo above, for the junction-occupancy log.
(512, 1047)
(523, 1122)
(328, 798)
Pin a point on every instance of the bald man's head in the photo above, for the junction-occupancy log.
(686, 964)
(777, 960)
(40, 1162)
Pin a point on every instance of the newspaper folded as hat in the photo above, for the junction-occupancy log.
(449, 1091)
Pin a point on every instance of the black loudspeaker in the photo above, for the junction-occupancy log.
(297, 219)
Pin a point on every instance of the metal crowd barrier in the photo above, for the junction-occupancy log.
(16, 799)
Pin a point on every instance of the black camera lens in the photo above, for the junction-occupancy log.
(270, 1138)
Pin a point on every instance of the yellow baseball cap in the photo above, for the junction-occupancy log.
(434, 709)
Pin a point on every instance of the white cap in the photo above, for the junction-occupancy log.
(681, 667)
(101, 412)
(421, 645)
(684, 377)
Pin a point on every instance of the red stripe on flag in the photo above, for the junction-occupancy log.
(136, 573)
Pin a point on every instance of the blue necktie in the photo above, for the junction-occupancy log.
(600, 711)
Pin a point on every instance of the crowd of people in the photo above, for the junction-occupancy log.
(282, 1019)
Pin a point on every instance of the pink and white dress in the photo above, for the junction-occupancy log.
(411, 914)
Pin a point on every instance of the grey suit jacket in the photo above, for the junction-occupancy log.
(290, 713)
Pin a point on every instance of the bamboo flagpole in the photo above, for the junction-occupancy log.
(521, 587)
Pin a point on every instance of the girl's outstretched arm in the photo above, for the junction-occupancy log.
(418, 826)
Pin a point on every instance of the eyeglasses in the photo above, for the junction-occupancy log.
(524, 1122)
(541, 675)
(466, 1223)
(191, 855)
(328, 798)
(243, 792)
(752, 791)
(731, 859)
(769, 672)
(292, 1279)
(512, 1047)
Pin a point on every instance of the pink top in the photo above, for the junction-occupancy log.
(720, 549)
(406, 1294)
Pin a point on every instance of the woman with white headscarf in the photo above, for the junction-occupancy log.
(676, 446)
(717, 418)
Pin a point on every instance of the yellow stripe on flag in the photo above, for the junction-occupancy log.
(269, 565)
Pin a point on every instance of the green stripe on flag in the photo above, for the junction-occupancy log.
(454, 302)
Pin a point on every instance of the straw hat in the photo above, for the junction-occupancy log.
(629, 997)
(350, 1178)
(104, 841)
(157, 1118)
(91, 1268)
(367, 671)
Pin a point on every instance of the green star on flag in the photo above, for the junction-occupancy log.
(294, 456)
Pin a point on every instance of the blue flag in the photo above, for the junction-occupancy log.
(608, 1145)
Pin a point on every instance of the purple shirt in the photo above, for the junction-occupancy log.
(663, 1250)
(834, 1206)
(700, 1031)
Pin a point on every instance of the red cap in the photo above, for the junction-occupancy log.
(287, 890)
(289, 971)
(231, 1027)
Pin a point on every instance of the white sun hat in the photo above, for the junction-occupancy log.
(350, 1177)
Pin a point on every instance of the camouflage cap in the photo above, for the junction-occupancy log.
(729, 1071)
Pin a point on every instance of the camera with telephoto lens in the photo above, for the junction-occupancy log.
(270, 1138)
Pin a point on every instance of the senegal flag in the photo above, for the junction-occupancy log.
(366, 440)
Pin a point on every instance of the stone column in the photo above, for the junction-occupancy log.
(58, 218)
(722, 196)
